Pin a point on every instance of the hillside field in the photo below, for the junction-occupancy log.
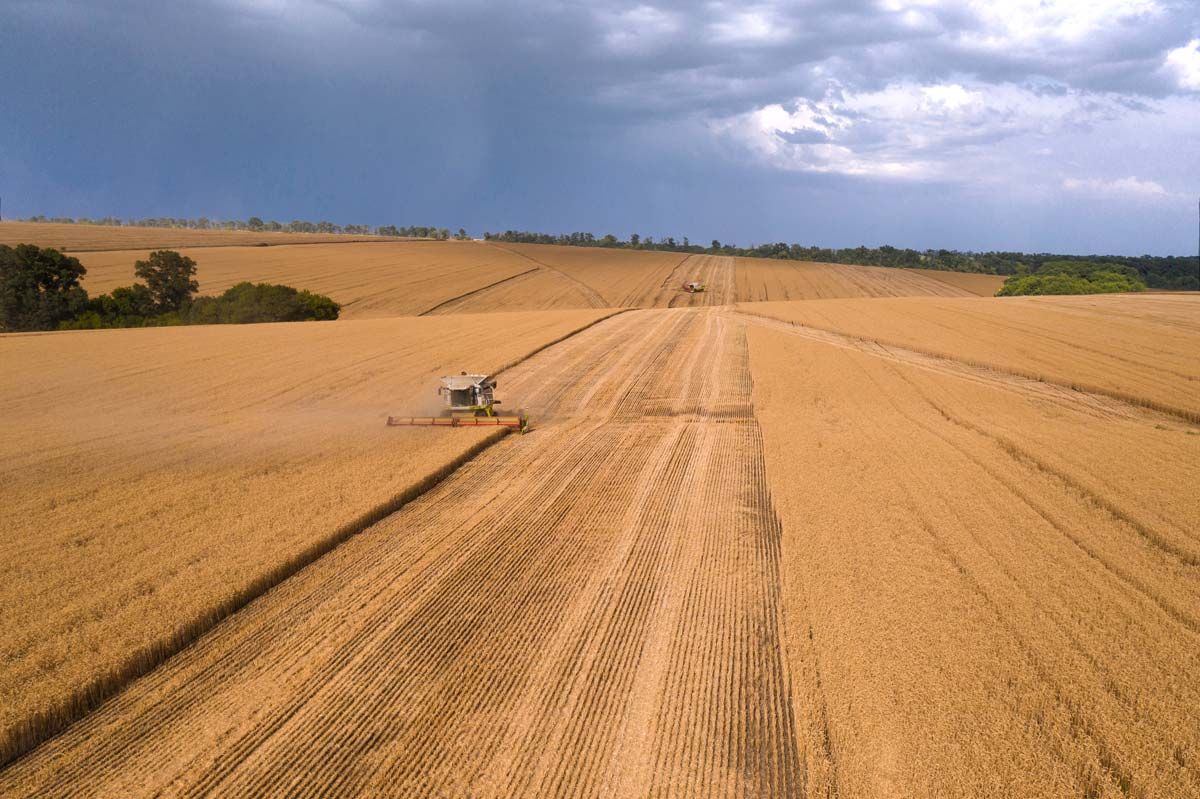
(149, 478)
(373, 277)
(370, 280)
(819, 531)
(1141, 349)
(78, 238)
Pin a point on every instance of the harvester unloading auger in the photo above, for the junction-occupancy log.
(469, 402)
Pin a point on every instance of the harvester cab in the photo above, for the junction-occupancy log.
(468, 401)
(464, 393)
(693, 287)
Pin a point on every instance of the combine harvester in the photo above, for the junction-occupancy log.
(693, 287)
(469, 403)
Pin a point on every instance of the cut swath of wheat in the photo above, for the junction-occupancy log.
(860, 533)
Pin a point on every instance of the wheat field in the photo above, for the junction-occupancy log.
(616, 278)
(1138, 348)
(881, 539)
(370, 280)
(590, 609)
(414, 278)
(380, 278)
(83, 238)
(991, 585)
(152, 479)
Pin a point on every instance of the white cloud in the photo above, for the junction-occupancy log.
(958, 131)
(1024, 22)
(1129, 187)
(1183, 63)
(754, 25)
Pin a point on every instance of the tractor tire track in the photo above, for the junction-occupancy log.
(589, 610)
(447, 306)
(591, 295)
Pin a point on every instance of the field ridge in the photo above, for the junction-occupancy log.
(905, 351)
(33, 731)
(608, 623)
(588, 292)
(24, 731)
(479, 290)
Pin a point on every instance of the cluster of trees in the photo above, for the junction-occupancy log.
(261, 302)
(1074, 277)
(1171, 272)
(39, 290)
(257, 225)
(415, 231)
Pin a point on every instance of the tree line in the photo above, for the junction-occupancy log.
(40, 290)
(1160, 272)
(1163, 272)
(257, 225)
(1074, 277)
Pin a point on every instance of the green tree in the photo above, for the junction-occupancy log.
(1062, 281)
(38, 287)
(254, 223)
(127, 306)
(260, 302)
(634, 239)
(168, 275)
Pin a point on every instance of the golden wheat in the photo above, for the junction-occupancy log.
(370, 280)
(1140, 348)
(990, 588)
(151, 479)
(82, 238)
(934, 546)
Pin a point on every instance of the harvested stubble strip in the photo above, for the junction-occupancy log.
(152, 480)
(1138, 348)
(587, 276)
(504, 637)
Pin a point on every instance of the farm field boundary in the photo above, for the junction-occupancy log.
(592, 296)
(479, 290)
(33, 731)
(602, 621)
(44, 725)
(144, 510)
(78, 238)
(559, 340)
(929, 358)
(376, 281)
(989, 593)
(258, 244)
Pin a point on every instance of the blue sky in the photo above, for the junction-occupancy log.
(1049, 125)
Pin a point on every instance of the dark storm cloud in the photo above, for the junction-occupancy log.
(591, 115)
(601, 45)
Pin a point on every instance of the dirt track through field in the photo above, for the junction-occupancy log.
(589, 610)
